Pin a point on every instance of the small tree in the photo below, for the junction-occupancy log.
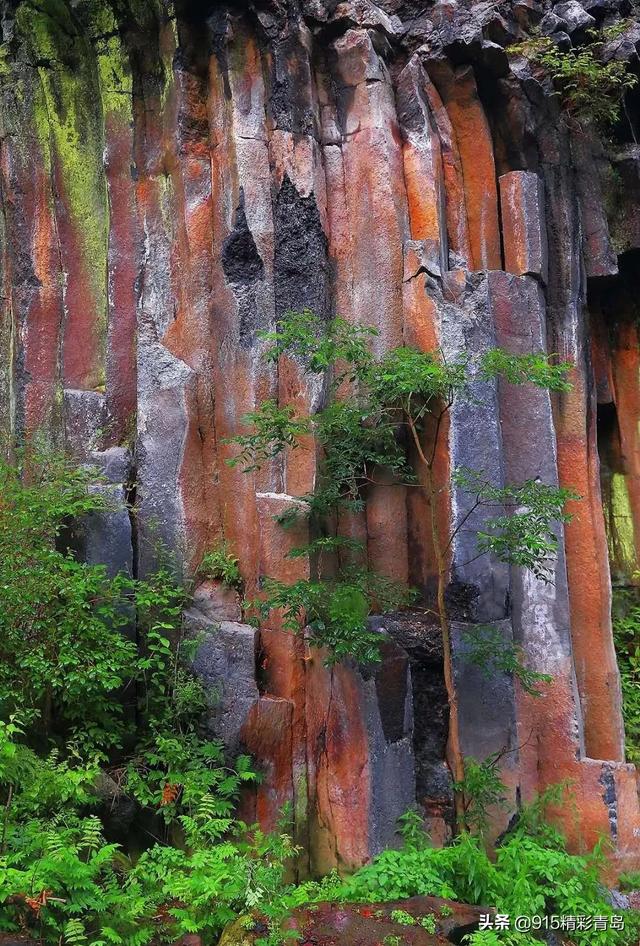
(375, 409)
(591, 85)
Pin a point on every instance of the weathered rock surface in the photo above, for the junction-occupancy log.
(176, 176)
(217, 601)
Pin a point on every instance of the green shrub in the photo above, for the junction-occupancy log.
(59, 878)
(428, 923)
(530, 873)
(591, 90)
(62, 652)
(335, 611)
(222, 565)
(395, 406)
(481, 790)
(81, 707)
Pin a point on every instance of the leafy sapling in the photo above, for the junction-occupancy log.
(402, 917)
(379, 413)
(480, 790)
(523, 533)
(487, 649)
(428, 923)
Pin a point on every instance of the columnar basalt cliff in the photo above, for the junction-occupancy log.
(174, 177)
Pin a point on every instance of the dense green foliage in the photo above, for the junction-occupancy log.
(221, 564)
(377, 413)
(626, 631)
(62, 652)
(91, 718)
(334, 610)
(530, 874)
(59, 877)
(591, 88)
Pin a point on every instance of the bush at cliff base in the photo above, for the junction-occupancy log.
(61, 881)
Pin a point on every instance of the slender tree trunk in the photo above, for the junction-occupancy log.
(455, 759)
(454, 753)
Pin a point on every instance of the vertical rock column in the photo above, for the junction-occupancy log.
(69, 122)
(31, 262)
(165, 383)
(376, 218)
(124, 245)
(550, 726)
(242, 299)
(426, 257)
(616, 357)
(475, 146)
(301, 281)
(270, 224)
(188, 333)
(575, 417)
(479, 593)
(625, 368)
(351, 753)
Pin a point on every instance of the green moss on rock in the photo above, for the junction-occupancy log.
(620, 533)
(69, 123)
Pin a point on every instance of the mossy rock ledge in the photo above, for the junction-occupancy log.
(358, 924)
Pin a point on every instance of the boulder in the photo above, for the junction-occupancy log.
(574, 15)
(357, 924)
(562, 41)
(528, 13)
(598, 8)
(551, 23)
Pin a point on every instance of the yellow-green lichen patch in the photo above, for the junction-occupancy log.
(620, 532)
(114, 69)
(5, 66)
(301, 794)
(69, 119)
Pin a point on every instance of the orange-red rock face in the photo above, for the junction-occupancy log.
(170, 186)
